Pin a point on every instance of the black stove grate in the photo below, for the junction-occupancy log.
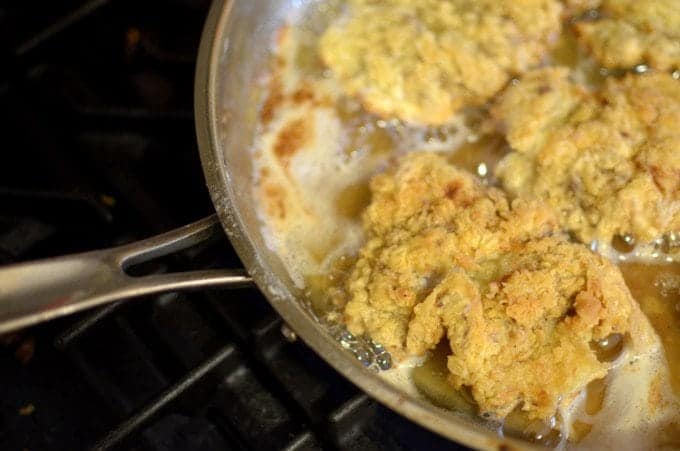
(99, 149)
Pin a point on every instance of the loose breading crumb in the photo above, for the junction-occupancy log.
(446, 256)
(632, 32)
(422, 61)
(26, 410)
(608, 161)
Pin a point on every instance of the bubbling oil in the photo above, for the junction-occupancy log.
(656, 287)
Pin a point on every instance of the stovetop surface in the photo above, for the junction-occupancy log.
(98, 150)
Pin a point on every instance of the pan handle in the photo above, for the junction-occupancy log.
(38, 291)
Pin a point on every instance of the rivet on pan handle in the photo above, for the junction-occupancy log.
(38, 291)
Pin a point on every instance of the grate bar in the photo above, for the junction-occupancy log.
(124, 429)
(56, 28)
(81, 327)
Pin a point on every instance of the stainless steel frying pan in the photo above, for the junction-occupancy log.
(234, 52)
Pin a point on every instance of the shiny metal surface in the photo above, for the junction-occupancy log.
(234, 54)
(38, 291)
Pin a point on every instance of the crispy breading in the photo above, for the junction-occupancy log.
(607, 161)
(631, 32)
(422, 61)
(409, 224)
(520, 331)
(520, 305)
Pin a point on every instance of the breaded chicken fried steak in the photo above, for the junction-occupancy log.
(421, 61)
(448, 257)
(606, 161)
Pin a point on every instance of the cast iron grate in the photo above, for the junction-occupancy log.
(96, 107)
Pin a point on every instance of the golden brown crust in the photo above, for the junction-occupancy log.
(607, 161)
(422, 61)
(631, 32)
(448, 256)
(532, 323)
(409, 224)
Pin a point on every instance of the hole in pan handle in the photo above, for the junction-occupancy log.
(38, 291)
